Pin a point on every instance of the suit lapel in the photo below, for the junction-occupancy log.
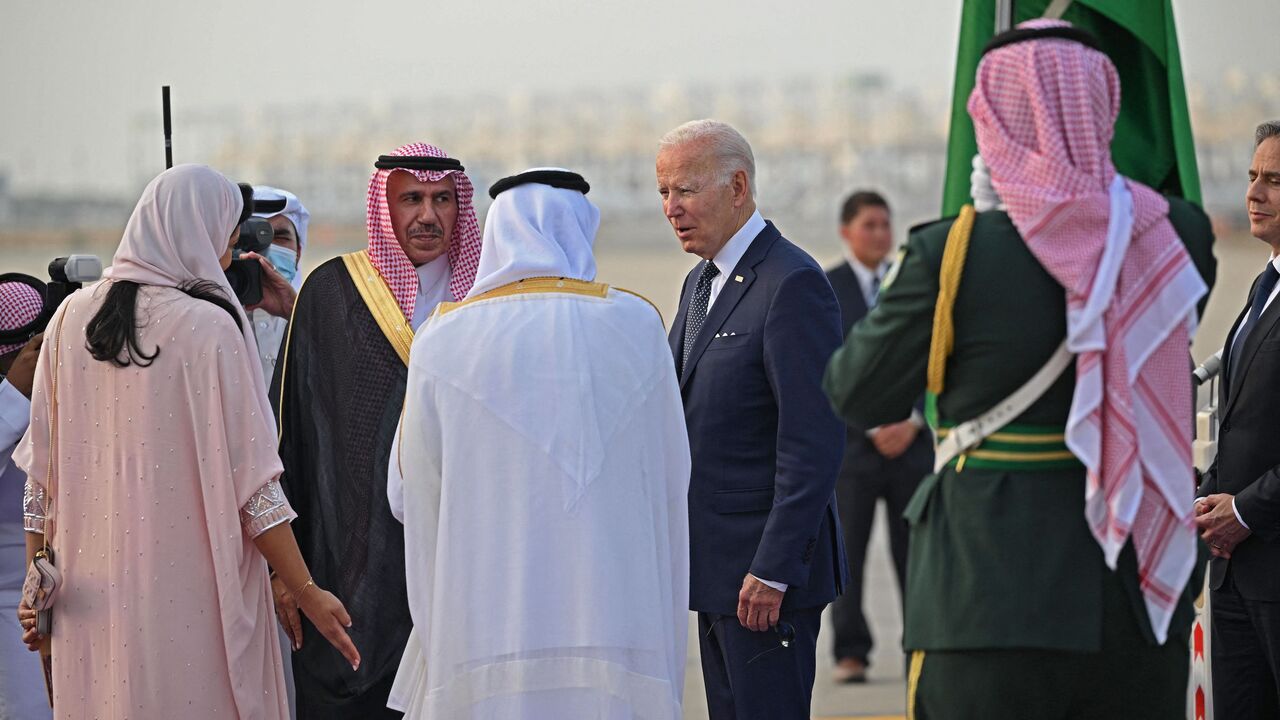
(1227, 381)
(1266, 323)
(676, 336)
(857, 301)
(732, 292)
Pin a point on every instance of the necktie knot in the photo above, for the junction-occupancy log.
(709, 272)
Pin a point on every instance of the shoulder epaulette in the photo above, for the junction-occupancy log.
(927, 223)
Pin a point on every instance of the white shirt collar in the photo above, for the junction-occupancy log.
(727, 259)
(433, 286)
(865, 274)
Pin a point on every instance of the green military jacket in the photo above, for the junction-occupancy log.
(999, 558)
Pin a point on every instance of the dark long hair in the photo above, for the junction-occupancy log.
(112, 334)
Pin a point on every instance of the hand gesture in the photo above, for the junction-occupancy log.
(1216, 520)
(27, 618)
(287, 612)
(893, 439)
(759, 605)
(22, 372)
(329, 616)
(277, 294)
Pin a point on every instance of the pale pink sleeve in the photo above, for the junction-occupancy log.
(266, 509)
(33, 455)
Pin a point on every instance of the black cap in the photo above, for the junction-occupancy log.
(555, 178)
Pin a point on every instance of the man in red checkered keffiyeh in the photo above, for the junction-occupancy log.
(386, 251)
(20, 304)
(339, 386)
(1044, 113)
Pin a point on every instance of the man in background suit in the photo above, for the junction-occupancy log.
(756, 324)
(1239, 506)
(885, 462)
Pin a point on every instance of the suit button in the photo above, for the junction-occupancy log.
(1224, 427)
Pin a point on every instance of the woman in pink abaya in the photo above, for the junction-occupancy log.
(152, 473)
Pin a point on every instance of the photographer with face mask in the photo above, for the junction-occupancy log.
(281, 277)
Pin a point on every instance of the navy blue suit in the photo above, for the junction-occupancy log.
(766, 451)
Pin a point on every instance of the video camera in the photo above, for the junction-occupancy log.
(245, 275)
(66, 275)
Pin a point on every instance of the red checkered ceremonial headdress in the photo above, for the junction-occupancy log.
(20, 304)
(1044, 111)
(384, 250)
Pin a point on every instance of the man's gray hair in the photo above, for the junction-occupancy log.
(1266, 130)
(732, 151)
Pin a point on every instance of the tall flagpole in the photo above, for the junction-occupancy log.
(1004, 15)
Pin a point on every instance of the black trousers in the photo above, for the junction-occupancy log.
(749, 675)
(1246, 654)
(859, 488)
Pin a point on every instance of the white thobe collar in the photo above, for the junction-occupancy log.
(433, 288)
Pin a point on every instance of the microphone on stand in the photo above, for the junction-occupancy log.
(1208, 370)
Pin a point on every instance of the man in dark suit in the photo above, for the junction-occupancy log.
(885, 462)
(1239, 506)
(756, 324)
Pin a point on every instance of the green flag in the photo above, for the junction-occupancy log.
(1152, 143)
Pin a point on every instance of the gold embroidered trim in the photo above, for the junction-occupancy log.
(381, 303)
(533, 285)
(1021, 456)
(655, 307)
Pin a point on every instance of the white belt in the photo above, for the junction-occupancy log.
(967, 435)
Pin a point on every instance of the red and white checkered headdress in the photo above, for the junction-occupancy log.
(20, 304)
(384, 250)
(1044, 113)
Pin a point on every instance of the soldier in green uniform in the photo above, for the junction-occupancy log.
(1015, 608)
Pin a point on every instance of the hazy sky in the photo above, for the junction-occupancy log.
(77, 73)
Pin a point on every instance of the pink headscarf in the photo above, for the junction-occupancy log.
(1044, 112)
(20, 304)
(179, 230)
(389, 258)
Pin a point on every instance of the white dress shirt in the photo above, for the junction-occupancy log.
(727, 259)
(869, 280)
(1275, 262)
(433, 288)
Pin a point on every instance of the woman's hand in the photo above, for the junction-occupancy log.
(277, 294)
(27, 618)
(287, 612)
(329, 616)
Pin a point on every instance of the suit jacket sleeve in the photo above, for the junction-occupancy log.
(801, 330)
(1259, 505)
(878, 375)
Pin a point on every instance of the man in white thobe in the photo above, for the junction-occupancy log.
(541, 471)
